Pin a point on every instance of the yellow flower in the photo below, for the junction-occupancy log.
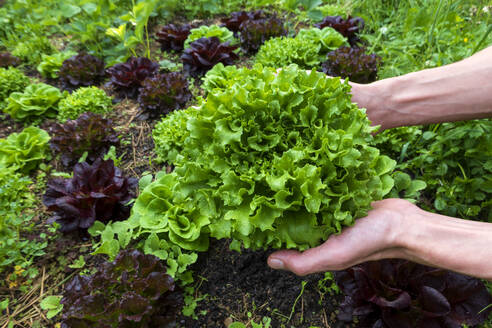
(465, 39)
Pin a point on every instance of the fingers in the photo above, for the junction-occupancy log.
(311, 261)
(299, 263)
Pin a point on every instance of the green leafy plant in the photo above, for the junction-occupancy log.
(50, 64)
(16, 251)
(398, 143)
(308, 49)
(222, 33)
(455, 160)
(411, 36)
(52, 305)
(24, 151)
(264, 323)
(32, 49)
(36, 101)
(280, 160)
(83, 100)
(11, 80)
(222, 77)
(137, 17)
(406, 188)
(86, 30)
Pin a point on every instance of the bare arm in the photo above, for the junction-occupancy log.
(459, 91)
(396, 228)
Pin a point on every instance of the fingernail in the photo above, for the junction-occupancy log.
(276, 264)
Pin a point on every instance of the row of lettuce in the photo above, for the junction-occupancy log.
(266, 158)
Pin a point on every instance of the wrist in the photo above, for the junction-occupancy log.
(376, 99)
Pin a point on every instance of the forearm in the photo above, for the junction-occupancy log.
(454, 244)
(459, 91)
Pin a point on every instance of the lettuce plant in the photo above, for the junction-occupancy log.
(307, 49)
(222, 77)
(352, 63)
(37, 100)
(349, 28)
(398, 293)
(126, 78)
(7, 60)
(275, 160)
(235, 19)
(204, 31)
(132, 291)
(32, 49)
(50, 64)
(255, 32)
(163, 93)
(173, 37)
(82, 100)
(82, 70)
(98, 191)
(90, 134)
(205, 53)
(11, 80)
(25, 150)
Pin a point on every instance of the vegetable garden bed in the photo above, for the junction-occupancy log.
(153, 154)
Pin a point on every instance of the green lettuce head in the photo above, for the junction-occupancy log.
(308, 49)
(38, 100)
(204, 31)
(279, 160)
(24, 151)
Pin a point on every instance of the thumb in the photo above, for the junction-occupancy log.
(301, 264)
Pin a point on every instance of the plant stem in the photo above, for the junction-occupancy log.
(483, 39)
(303, 284)
(431, 31)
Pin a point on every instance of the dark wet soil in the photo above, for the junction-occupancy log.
(241, 287)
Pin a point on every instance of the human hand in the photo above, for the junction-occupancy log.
(373, 237)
